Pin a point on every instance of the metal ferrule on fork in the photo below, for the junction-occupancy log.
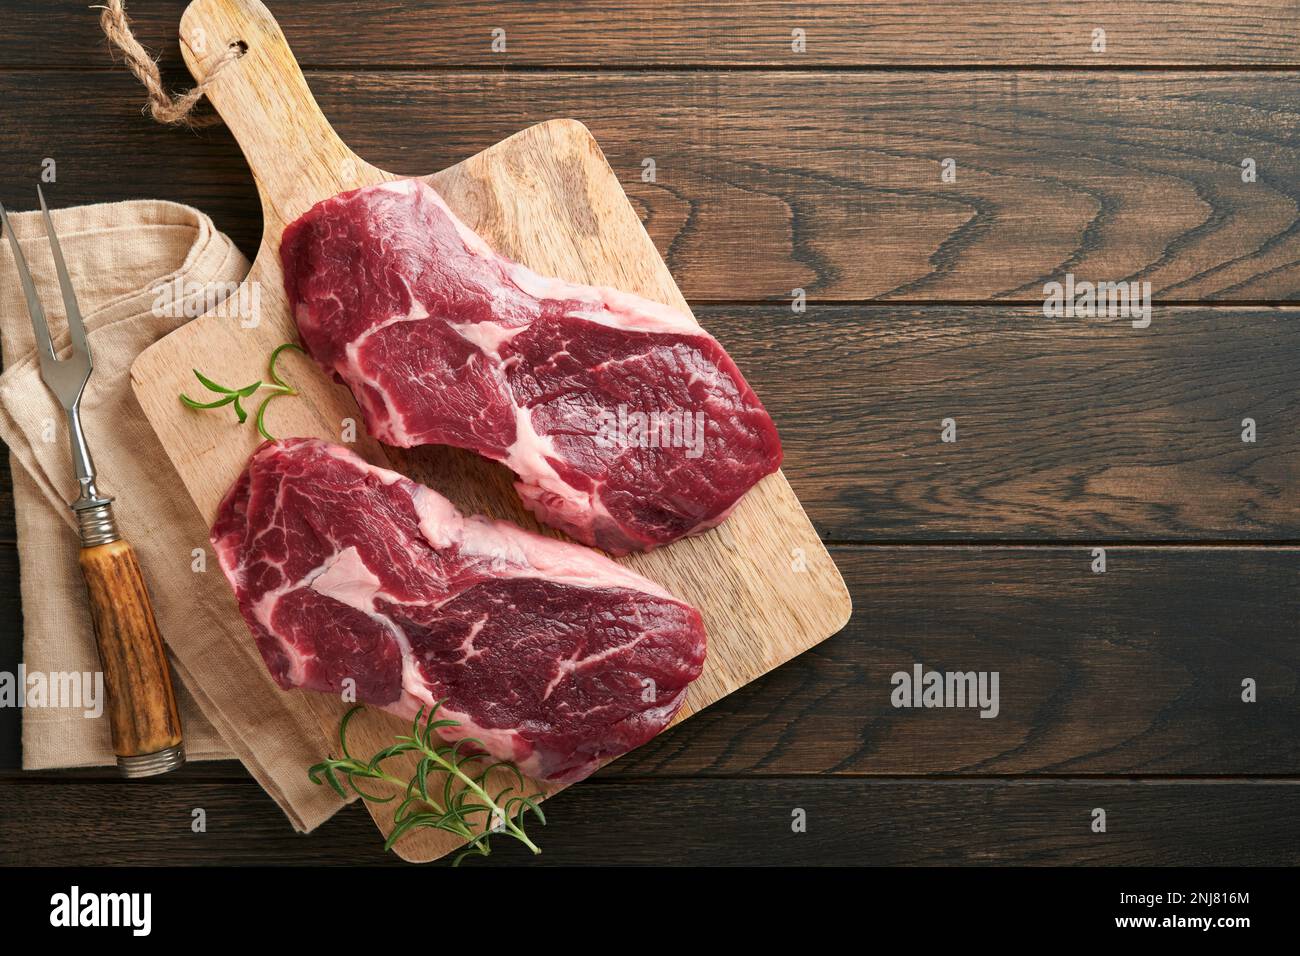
(96, 524)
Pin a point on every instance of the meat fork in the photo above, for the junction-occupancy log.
(141, 703)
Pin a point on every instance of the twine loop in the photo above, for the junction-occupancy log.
(162, 105)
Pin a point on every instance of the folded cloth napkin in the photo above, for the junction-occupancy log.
(124, 258)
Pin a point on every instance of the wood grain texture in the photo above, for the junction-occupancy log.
(1135, 671)
(825, 181)
(11, 643)
(141, 703)
(830, 182)
(8, 520)
(862, 33)
(1113, 433)
(763, 582)
(713, 822)
(1067, 429)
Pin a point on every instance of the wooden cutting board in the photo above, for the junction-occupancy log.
(546, 197)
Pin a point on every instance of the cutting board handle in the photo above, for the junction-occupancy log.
(296, 157)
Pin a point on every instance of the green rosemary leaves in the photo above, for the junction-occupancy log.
(234, 396)
(450, 789)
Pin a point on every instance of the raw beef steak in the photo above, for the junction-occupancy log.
(551, 654)
(627, 424)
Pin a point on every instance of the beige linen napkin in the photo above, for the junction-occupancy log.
(120, 255)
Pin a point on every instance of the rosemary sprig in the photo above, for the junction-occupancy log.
(464, 792)
(234, 396)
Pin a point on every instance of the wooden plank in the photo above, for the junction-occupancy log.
(1114, 433)
(194, 771)
(718, 822)
(1149, 449)
(11, 652)
(8, 527)
(547, 198)
(1135, 671)
(1067, 429)
(622, 33)
(829, 182)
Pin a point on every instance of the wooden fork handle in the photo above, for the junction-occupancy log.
(141, 703)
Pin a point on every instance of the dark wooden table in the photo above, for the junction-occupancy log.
(821, 170)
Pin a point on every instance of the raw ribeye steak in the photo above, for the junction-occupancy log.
(627, 424)
(551, 654)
